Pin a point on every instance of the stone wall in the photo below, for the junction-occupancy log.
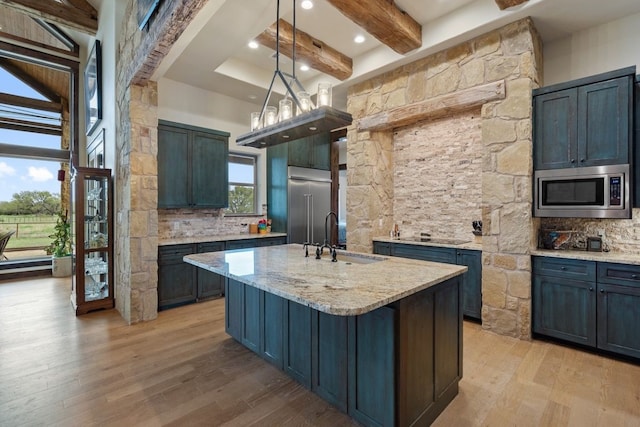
(136, 190)
(380, 166)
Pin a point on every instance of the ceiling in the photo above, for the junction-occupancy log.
(213, 53)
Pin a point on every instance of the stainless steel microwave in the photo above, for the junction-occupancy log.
(583, 192)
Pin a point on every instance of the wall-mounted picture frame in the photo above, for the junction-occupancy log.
(93, 88)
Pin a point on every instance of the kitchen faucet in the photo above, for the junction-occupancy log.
(332, 249)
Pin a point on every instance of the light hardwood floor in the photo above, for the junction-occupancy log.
(182, 370)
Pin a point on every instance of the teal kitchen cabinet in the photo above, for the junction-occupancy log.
(192, 167)
(585, 122)
(210, 284)
(176, 279)
(472, 259)
(619, 308)
(311, 152)
(596, 304)
(564, 303)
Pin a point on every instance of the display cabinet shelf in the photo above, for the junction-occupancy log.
(93, 253)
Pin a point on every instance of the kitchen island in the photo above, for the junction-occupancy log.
(379, 337)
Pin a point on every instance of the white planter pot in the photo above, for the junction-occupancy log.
(61, 266)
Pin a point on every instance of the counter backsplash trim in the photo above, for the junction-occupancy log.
(177, 223)
(620, 235)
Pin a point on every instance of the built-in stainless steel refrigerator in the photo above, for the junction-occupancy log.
(309, 202)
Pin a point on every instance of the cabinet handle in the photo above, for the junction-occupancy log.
(573, 160)
(591, 289)
(563, 268)
(602, 291)
(581, 160)
(634, 276)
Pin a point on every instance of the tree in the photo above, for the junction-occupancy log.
(36, 203)
(241, 200)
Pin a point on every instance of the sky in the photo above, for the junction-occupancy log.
(24, 174)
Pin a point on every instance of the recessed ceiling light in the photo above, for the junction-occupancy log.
(253, 44)
(359, 38)
(304, 67)
(306, 4)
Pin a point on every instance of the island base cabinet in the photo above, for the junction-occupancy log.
(618, 318)
(397, 365)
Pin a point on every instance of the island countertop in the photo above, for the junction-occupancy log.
(356, 284)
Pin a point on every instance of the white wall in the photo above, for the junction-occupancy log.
(181, 103)
(592, 51)
(110, 15)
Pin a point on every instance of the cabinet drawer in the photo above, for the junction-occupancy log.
(381, 248)
(619, 274)
(210, 247)
(425, 253)
(561, 267)
(271, 241)
(241, 244)
(174, 253)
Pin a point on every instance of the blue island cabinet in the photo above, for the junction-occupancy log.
(399, 364)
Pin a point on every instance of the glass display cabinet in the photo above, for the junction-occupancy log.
(92, 217)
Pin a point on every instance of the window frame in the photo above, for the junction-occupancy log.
(254, 159)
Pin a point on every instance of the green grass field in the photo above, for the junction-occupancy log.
(31, 230)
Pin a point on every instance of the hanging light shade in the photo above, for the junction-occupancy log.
(284, 126)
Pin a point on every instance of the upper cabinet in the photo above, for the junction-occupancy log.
(586, 122)
(192, 167)
(311, 152)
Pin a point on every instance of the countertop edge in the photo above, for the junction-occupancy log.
(217, 238)
(613, 257)
(471, 245)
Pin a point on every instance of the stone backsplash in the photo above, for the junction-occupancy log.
(620, 235)
(177, 223)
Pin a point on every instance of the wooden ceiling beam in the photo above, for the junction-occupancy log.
(68, 14)
(313, 52)
(505, 4)
(29, 80)
(29, 126)
(385, 21)
(37, 104)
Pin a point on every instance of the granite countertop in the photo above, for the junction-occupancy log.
(217, 238)
(348, 287)
(617, 257)
(471, 244)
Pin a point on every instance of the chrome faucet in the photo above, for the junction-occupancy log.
(332, 249)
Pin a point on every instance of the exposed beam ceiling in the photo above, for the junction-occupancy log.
(21, 101)
(21, 73)
(385, 21)
(505, 4)
(76, 14)
(309, 50)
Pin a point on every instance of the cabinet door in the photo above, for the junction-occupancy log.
(234, 307)
(297, 342)
(604, 122)
(241, 244)
(271, 344)
(251, 318)
(301, 153)
(329, 358)
(565, 308)
(618, 317)
(209, 284)
(173, 170)
(471, 283)
(555, 129)
(321, 151)
(381, 248)
(209, 183)
(176, 278)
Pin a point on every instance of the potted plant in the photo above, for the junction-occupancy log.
(60, 247)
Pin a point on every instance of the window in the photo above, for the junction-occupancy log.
(242, 184)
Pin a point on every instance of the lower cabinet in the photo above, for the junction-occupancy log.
(471, 280)
(397, 365)
(176, 279)
(180, 283)
(595, 304)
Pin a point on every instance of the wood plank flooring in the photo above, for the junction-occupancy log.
(183, 370)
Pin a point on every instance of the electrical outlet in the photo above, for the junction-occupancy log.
(600, 232)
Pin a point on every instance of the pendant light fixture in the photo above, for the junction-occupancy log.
(298, 116)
